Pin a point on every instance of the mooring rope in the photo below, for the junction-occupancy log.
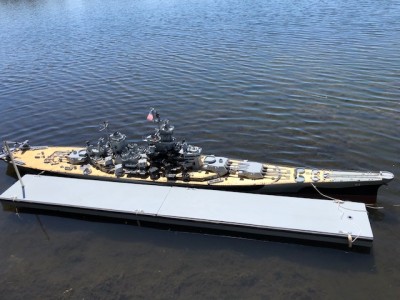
(16, 208)
(342, 201)
(323, 195)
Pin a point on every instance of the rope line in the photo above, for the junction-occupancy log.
(319, 192)
(342, 201)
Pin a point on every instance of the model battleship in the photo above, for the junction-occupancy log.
(161, 159)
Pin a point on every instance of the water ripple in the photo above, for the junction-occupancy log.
(308, 83)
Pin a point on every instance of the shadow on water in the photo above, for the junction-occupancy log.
(310, 254)
(10, 172)
(376, 215)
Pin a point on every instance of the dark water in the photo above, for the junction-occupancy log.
(298, 82)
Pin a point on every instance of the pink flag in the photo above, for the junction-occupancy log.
(150, 116)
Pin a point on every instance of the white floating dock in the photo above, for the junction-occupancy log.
(231, 213)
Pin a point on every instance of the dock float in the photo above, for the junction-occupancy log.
(326, 222)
